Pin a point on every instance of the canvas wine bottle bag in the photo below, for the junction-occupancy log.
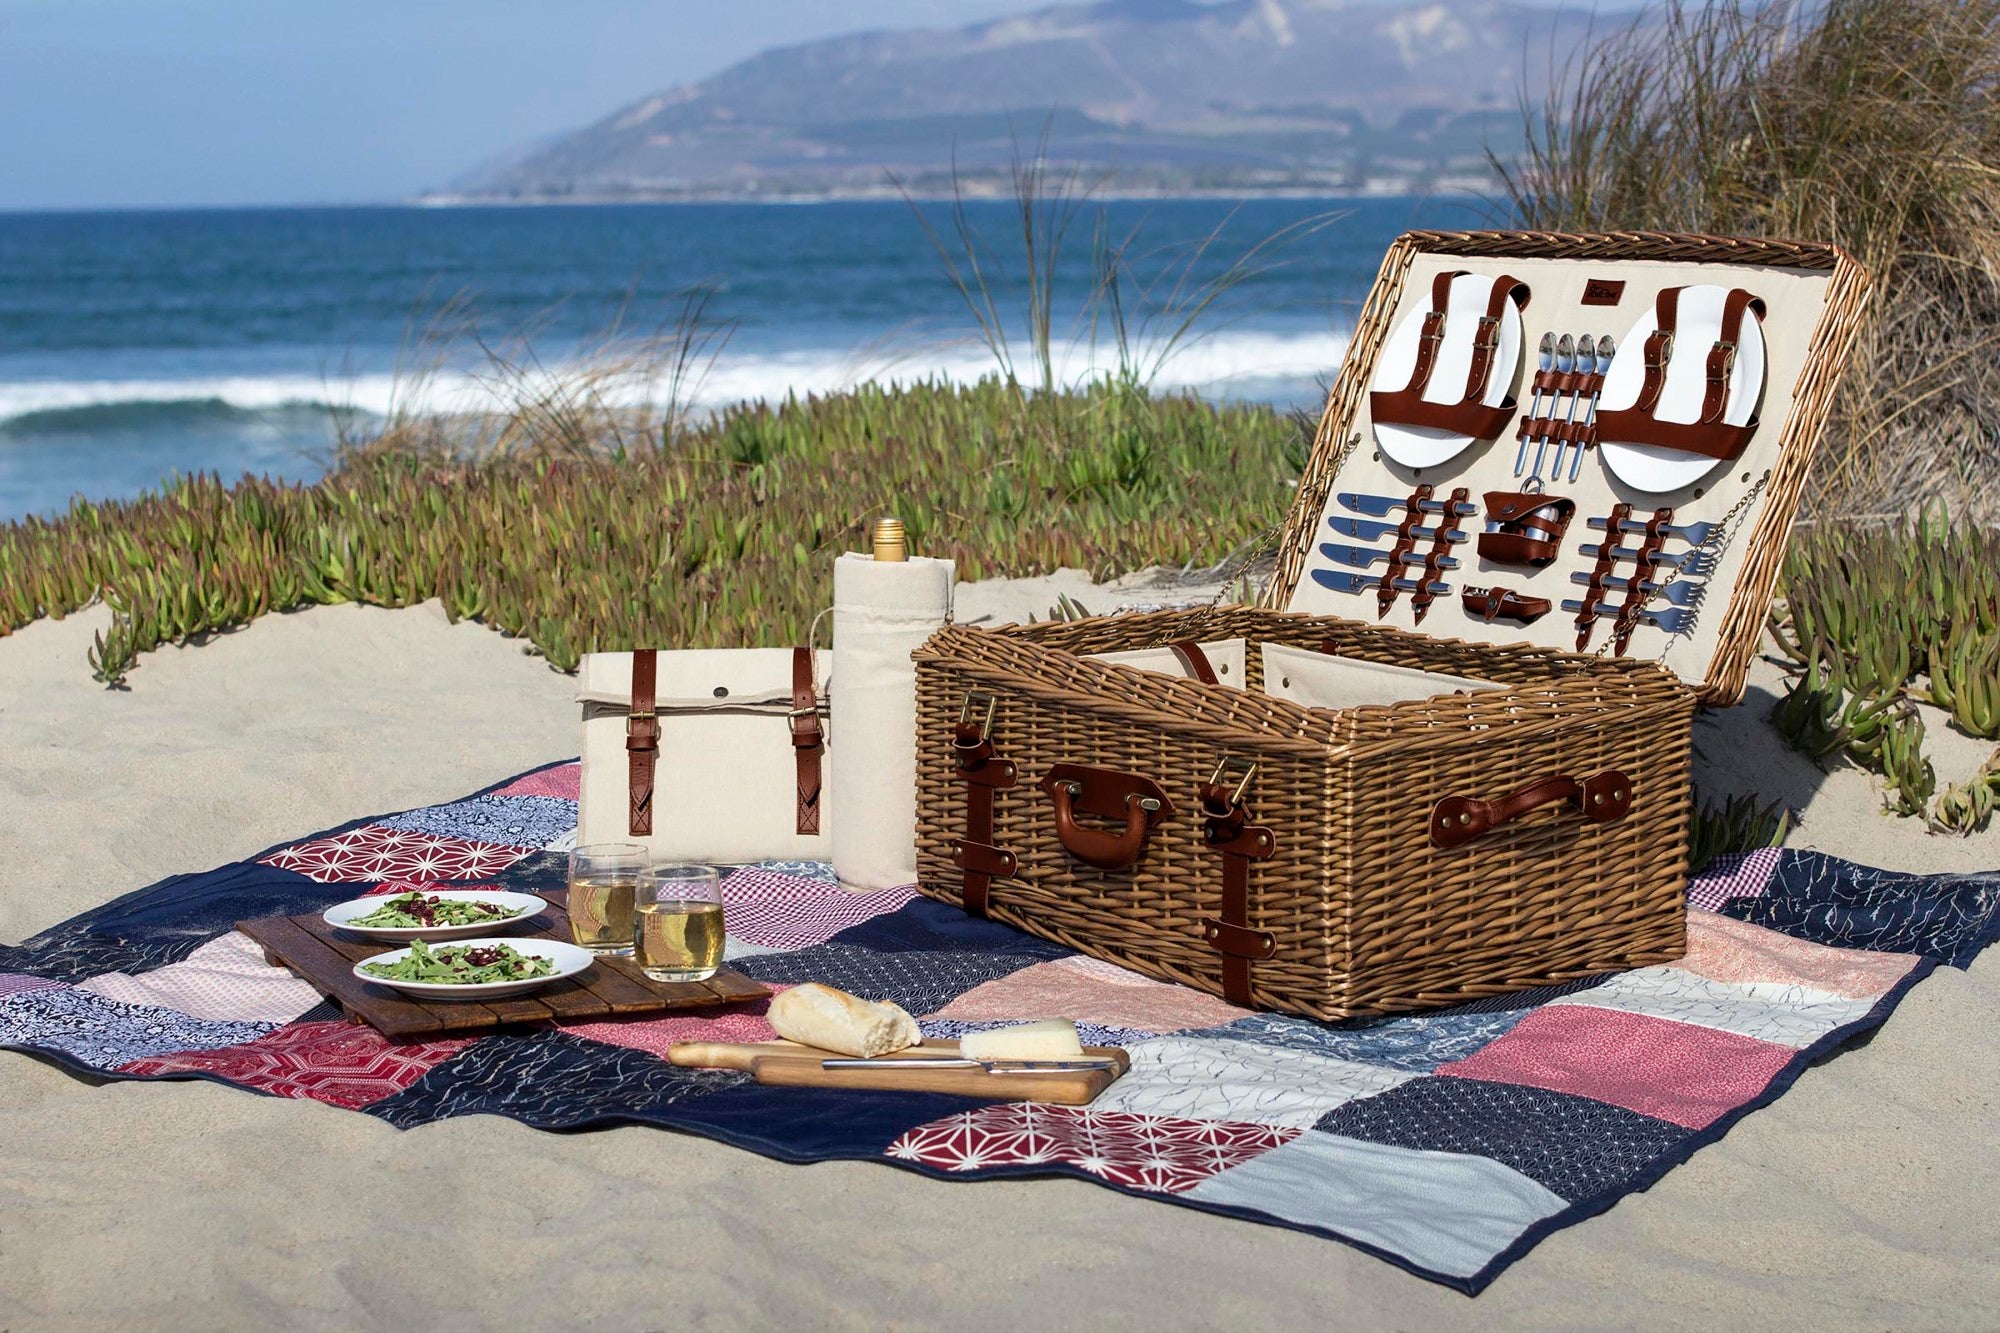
(731, 766)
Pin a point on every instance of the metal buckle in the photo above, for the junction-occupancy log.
(965, 709)
(1230, 763)
(634, 715)
(1728, 350)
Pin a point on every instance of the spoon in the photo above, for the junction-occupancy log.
(1547, 363)
(1586, 362)
(1565, 364)
(1606, 349)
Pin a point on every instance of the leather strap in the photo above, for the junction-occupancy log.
(1194, 661)
(1659, 347)
(1433, 566)
(1635, 597)
(1432, 336)
(983, 773)
(1486, 336)
(642, 739)
(1721, 362)
(1601, 798)
(1490, 604)
(1586, 619)
(808, 740)
(1528, 527)
(1226, 828)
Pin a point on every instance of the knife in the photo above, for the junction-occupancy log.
(1361, 557)
(1333, 578)
(1362, 529)
(1381, 506)
(990, 1066)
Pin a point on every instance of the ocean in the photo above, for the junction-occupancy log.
(138, 345)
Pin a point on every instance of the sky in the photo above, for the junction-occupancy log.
(179, 103)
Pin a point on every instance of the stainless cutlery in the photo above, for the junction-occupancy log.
(1674, 620)
(1333, 578)
(1380, 506)
(1368, 530)
(1544, 365)
(1694, 564)
(1606, 348)
(990, 1066)
(1694, 533)
(1361, 557)
(1676, 593)
(1565, 365)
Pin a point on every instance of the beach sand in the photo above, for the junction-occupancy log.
(1864, 1197)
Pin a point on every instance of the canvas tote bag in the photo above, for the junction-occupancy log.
(716, 756)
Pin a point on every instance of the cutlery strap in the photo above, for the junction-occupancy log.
(983, 773)
(1433, 567)
(642, 739)
(808, 740)
(1642, 568)
(1586, 619)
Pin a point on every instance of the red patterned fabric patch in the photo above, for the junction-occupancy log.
(343, 1064)
(373, 852)
(1088, 991)
(654, 1035)
(564, 782)
(1164, 1154)
(1680, 1072)
(1722, 948)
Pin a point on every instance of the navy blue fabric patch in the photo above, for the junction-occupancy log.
(551, 1080)
(924, 925)
(1515, 1001)
(922, 982)
(1415, 1044)
(812, 1124)
(1828, 901)
(168, 921)
(1574, 1146)
(538, 872)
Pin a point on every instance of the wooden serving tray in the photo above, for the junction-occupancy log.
(325, 958)
(787, 1064)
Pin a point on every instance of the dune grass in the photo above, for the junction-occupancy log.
(1874, 123)
(722, 536)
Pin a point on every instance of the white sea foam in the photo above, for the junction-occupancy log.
(1237, 363)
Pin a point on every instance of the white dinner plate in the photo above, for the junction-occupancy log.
(1698, 322)
(568, 958)
(524, 906)
(1427, 446)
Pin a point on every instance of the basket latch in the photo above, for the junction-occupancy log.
(983, 773)
(1226, 828)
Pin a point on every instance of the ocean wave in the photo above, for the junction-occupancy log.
(1267, 366)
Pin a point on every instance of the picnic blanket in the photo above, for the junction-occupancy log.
(1448, 1143)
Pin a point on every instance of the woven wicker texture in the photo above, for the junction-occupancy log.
(1368, 915)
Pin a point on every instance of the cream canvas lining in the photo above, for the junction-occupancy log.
(1302, 676)
(1795, 301)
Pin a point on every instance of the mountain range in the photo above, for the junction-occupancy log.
(1235, 96)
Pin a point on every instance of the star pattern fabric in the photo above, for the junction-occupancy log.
(374, 852)
(1447, 1141)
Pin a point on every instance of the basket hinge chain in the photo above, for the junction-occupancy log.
(1227, 830)
(983, 772)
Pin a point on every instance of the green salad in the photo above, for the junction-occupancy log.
(408, 910)
(463, 965)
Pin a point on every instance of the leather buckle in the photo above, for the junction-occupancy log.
(809, 735)
(1230, 763)
(642, 731)
(965, 709)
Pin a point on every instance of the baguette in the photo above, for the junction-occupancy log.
(833, 1020)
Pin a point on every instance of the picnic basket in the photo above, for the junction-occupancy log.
(1376, 813)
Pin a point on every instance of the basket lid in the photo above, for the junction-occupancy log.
(1693, 435)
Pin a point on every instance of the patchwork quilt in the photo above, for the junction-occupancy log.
(1448, 1143)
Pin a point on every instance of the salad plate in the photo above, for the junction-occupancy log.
(453, 913)
(423, 972)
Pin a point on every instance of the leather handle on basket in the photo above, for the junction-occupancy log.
(1602, 798)
(1107, 794)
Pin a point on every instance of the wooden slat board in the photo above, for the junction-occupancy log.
(611, 987)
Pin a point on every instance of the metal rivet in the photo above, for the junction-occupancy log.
(1074, 789)
(1148, 804)
(722, 691)
(1285, 683)
(1617, 795)
(1597, 798)
(1223, 670)
(1465, 819)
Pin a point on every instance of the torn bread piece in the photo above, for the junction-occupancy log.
(833, 1020)
(1052, 1039)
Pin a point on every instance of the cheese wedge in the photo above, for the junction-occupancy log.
(1053, 1039)
(833, 1020)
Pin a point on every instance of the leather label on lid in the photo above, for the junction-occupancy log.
(1603, 291)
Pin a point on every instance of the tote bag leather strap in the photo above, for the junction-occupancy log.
(642, 738)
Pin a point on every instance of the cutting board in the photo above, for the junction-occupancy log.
(789, 1065)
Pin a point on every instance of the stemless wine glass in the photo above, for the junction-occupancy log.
(603, 880)
(679, 935)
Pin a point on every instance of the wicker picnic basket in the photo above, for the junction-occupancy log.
(1515, 816)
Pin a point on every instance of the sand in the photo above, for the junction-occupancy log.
(1864, 1197)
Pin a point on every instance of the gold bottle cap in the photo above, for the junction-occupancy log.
(890, 542)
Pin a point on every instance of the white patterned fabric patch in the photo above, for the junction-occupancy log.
(1444, 1211)
(226, 979)
(1778, 1012)
(510, 821)
(1211, 1079)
